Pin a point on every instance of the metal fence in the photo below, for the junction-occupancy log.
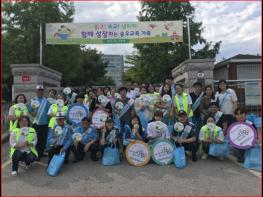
(239, 87)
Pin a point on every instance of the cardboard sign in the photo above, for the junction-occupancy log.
(242, 135)
(162, 152)
(138, 153)
(98, 118)
(76, 113)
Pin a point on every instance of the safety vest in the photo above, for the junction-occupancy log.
(86, 98)
(29, 137)
(185, 104)
(54, 111)
(207, 132)
(18, 113)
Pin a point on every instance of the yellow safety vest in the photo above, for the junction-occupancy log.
(29, 137)
(52, 121)
(18, 113)
(86, 98)
(207, 132)
(185, 104)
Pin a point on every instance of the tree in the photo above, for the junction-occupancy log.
(20, 32)
(156, 60)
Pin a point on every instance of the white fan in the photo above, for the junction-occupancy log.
(60, 102)
(117, 96)
(178, 126)
(21, 106)
(76, 137)
(119, 105)
(34, 103)
(166, 98)
(24, 130)
(67, 91)
(58, 131)
(211, 126)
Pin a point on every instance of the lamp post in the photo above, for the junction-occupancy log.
(189, 38)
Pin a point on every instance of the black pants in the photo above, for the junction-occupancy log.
(42, 131)
(240, 155)
(55, 151)
(193, 147)
(80, 154)
(205, 147)
(28, 158)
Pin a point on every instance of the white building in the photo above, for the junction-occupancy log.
(115, 67)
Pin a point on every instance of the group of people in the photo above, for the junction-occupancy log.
(41, 128)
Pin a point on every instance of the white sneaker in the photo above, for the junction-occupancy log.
(14, 173)
(204, 156)
(28, 166)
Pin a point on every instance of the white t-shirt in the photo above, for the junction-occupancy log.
(220, 136)
(226, 101)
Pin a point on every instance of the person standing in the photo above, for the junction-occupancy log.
(207, 98)
(196, 97)
(227, 99)
(16, 111)
(40, 119)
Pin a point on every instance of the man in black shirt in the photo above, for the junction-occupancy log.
(186, 137)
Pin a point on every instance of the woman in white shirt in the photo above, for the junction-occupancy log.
(226, 98)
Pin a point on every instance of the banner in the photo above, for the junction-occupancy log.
(114, 33)
(76, 113)
(138, 153)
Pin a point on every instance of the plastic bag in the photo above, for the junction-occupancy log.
(252, 158)
(111, 156)
(179, 157)
(219, 150)
(55, 164)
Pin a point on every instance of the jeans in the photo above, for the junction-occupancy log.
(28, 158)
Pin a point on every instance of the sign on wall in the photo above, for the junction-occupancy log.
(114, 33)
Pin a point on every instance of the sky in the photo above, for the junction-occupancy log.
(236, 24)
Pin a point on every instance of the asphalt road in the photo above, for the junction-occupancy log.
(205, 177)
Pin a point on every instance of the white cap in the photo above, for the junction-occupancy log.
(60, 115)
(40, 87)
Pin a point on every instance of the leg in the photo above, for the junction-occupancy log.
(94, 149)
(241, 155)
(42, 138)
(205, 147)
(52, 152)
(193, 147)
(29, 158)
(16, 157)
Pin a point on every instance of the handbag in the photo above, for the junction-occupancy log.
(111, 156)
(252, 159)
(55, 164)
(179, 157)
(219, 150)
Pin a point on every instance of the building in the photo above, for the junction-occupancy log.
(239, 67)
(115, 67)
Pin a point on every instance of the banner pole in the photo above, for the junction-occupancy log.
(189, 39)
(40, 46)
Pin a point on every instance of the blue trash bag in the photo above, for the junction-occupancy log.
(179, 157)
(111, 156)
(252, 158)
(219, 150)
(257, 121)
(55, 164)
(251, 117)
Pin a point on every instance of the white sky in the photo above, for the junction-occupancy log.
(236, 24)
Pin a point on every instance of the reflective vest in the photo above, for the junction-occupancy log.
(185, 104)
(18, 113)
(52, 121)
(86, 98)
(29, 137)
(207, 132)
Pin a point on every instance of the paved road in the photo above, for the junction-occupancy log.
(209, 177)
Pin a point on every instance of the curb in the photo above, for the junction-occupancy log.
(5, 137)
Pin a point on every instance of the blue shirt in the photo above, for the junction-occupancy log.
(41, 118)
(65, 139)
(87, 136)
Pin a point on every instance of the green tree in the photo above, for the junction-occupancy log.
(156, 60)
(20, 31)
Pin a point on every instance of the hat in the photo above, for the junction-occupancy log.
(109, 120)
(197, 83)
(60, 115)
(40, 87)
(182, 112)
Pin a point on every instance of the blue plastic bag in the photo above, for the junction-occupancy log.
(252, 159)
(257, 121)
(179, 157)
(111, 156)
(219, 150)
(55, 164)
